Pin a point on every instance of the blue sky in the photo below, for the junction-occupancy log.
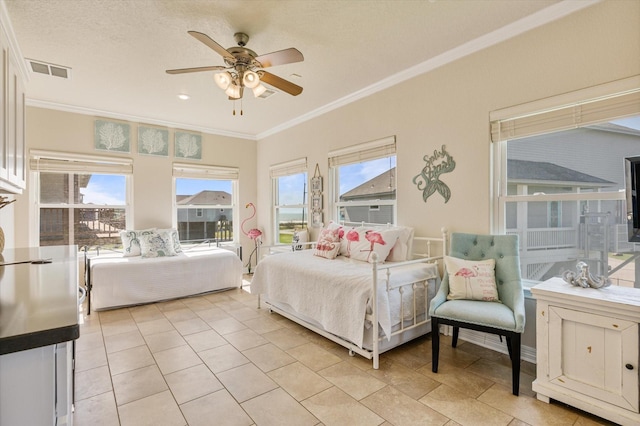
(110, 189)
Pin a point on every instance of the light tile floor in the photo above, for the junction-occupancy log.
(218, 360)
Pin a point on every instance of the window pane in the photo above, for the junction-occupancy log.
(555, 234)
(76, 224)
(201, 223)
(54, 188)
(102, 189)
(288, 220)
(292, 190)
(363, 186)
(370, 180)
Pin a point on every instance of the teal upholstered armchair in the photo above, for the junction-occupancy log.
(506, 318)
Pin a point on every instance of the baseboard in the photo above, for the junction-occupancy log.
(492, 341)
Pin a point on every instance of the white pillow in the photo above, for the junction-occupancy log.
(156, 245)
(172, 233)
(328, 243)
(131, 241)
(471, 280)
(401, 251)
(361, 243)
(300, 237)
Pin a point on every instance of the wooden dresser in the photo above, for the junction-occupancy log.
(587, 348)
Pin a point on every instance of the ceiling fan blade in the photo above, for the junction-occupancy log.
(213, 45)
(281, 57)
(197, 69)
(280, 83)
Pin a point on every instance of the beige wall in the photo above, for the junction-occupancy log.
(451, 106)
(152, 176)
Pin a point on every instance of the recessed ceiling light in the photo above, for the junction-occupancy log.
(183, 97)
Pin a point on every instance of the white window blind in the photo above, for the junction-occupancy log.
(62, 162)
(363, 152)
(195, 171)
(288, 168)
(566, 117)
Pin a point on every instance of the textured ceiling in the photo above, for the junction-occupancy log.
(118, 51)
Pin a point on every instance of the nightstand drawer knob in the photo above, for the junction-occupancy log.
(629, 367)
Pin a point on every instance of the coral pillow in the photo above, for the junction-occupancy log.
(361, 243)
(328, 244)
(472, 280)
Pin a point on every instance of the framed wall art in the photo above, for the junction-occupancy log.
(153, 141)
(111, 136)
(188, 145)
(316, 199)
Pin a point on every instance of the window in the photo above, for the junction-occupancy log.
(205, 198)
(560, 186)
(362, 181)
(80, 200)
(290, 199)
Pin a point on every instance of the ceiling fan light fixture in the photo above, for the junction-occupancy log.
(251, 79)
(223, 79)
(259, 90)
(233, 91)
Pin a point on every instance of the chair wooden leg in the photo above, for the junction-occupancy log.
(454, 341)
(435, 344)
(515, 363)
(509, 346)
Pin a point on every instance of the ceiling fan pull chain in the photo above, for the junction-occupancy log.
(234, 107)
(241, 112)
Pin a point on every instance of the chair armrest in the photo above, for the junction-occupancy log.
(441, 295)
(519, 311)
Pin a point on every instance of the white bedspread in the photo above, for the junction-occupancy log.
(335, 293)
(121, 281)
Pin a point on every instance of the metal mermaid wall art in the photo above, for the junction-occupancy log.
(428, 181)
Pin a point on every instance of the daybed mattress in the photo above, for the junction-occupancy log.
(333, 293)
(123, 281)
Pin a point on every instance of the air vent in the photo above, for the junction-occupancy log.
(49, 69)
(267, 93)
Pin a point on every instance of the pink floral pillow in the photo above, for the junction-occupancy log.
(361, 243)
(328, 243)
(471, 280)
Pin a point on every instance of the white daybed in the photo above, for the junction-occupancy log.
(115, 281)
(335, 298)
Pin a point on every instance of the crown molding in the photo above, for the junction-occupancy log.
(542, 17)
(14, 47)
(138, 119)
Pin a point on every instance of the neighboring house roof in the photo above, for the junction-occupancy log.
(205, 197)
(381, 185)
(524, 171)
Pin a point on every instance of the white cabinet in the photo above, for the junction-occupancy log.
(587, 348)
(36, 386)
(12, 118)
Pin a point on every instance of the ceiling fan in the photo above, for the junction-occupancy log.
(244, 68)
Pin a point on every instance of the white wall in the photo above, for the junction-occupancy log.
(152, 175)
(451, 106)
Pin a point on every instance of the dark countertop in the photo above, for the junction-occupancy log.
(38, 302)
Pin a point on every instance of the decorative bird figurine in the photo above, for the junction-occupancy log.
(254, 232)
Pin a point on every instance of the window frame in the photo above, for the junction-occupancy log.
(280, 170)
(208, 172)
(42, 161)
(539, 112)
(355, 154)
